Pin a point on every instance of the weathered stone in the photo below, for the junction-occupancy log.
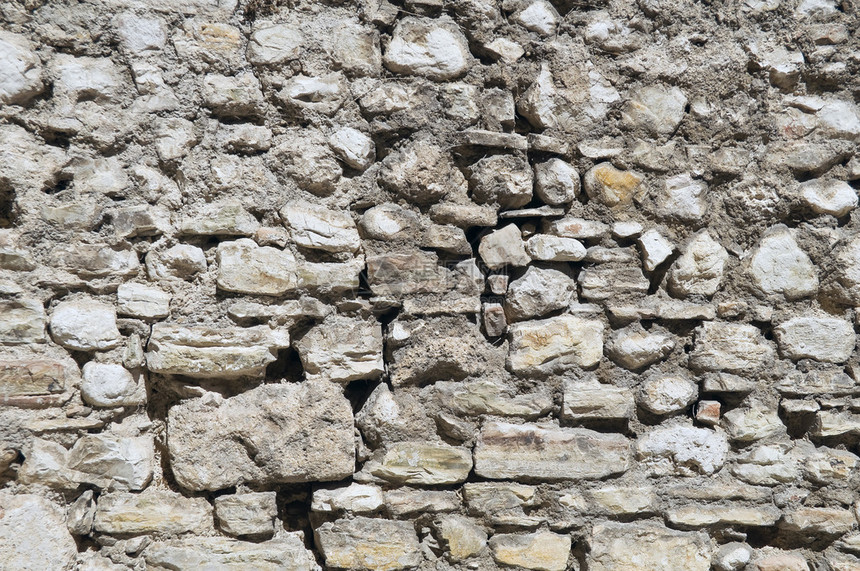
(539, 16)
(389, 222)
(421, 172)
(556, 182)
(228, 218)
(22, 322)
(181, 261)
(624, 500)
(504, 247)
(647, 547)
(355, 48)
(353, 147)
(20, 70)
(431, 48)
(209, 352)
(537, 293)
(656, 108)
(485, 396)
(402, 502)
(832, 423)
(827, 339)
(778, 266)
(236, 96)
(502, 503)
(36, 374)
(533, 452)
(250, 513)
(752, 423)
(304, 154)
(275, 44)
(84, 325)
(127, 461)
(731, 347)
(85, 77)
(501, 179)
(34, 535)
(460, 537)
(145, 302)
(591, 400)
(342, 349)
(767, 465)
(555, 342)
(821, 521)
(655, 249)
(393, 416)
(244, 267)
(287, 552)
(541, 551)
(699, 270)
(665, 394)
(539, 103)
(420, 463)
(154, 510)
(96, 260)
(732, 556)
(371, 544)
(634, 348)
(294, 432)
(79, 518)
(610, 186)
(699, 515)
(554, 248)
(320, 228)
(833, 197)
(785, 561)
(683, 450)
(355, 499)
(828, 466)
(571, 227)
(683, 198)
(26, 162)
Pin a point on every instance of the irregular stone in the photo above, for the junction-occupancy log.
(138, 300)
(85, 77)
(699, 270)
(355, 499)
(355, 48)
(236, 96)
(610, 186)
(420, 463)
(752, 423)
(571, 227)
(504, 247)
(181, 261)
(418, 272)
(342, 349)
(732, 347)
(683, 450)
(107, 385)
(353, 147)
(138, 34)
(683, 198)
(460, 537)
(84, 325)
(533, 452)
(244, 267)
(25, 162)
(127, 461)
(732, 556)
(305, 156)
(834, 197)
(537, 293)
(827, 339)
(20, 70)
(286, 552)
(308, 95)
(778, 266)
(401, 502)
(768, 465)
(786, 561)
(603, 282)
(47, 463)
(832, 423)
(34, 535)
(634, 348)
(655, 249)
(505, 180)
(827, 466)
(296, 432)
(388, 416)
(502, 503)
(141, 220)
(555, 342)
(819, 521)
(542, 551)
(154, 510)
(655, 108)
(251, 513)
(666, 394)
(208, 352)
(486, 396)
(430, 48)
(22, 322)
(275, 44)
(421, 172)
(843, 277)
(96, 260)
(82, 511)
(592, 400)
(372, 544)
(554, 248)
(647, 547)
(538, 104)
(37, 374)
(389, 222)
(227, 218)
(320, 228)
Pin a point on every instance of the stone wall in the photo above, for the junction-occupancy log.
(429, 284)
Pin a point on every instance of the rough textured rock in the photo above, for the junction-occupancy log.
(364, 543)
(152, 511)
(342, 349)
(295, 433)
(647, 547)
(555, 342)
(34, 535)
(286, 552)
(85, 326)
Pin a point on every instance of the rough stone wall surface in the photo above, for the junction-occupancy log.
(429, 284)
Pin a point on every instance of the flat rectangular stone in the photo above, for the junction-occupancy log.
(541, 551)
(558, 341)
(533, 452)
(22, 321)
(732, 347)
(647, 547)
(212, 352)
(493, 139)
(420, 463)
(154, 510)
(592, 400)
(365, 543)
(275, 433)
(600, 283)
(30, 377)
(286, 553)
(401, 502)
(502, 503)
(703, 515)
(342, 349)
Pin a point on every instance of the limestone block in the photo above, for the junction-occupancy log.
(372, 544)
(557, 341)
(154, 510)
(34, 535)
(84, 325)
(250, 513)
(431, 48)
(647, 547)
(342, 349)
